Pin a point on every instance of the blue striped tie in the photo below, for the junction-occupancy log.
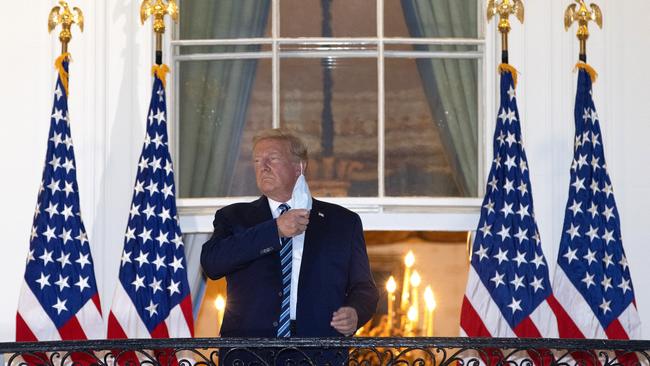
(286, 257)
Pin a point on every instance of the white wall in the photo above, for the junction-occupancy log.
(545, 55)
(110, 86)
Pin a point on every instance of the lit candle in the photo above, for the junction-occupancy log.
(415, 283)
(409, 260)
(220, 304)
(425, 330)
(412, 316)
(430, 301)
(391, 286)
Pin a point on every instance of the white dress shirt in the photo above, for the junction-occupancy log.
(298, 244)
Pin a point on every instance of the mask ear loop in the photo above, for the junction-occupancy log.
(301, 172)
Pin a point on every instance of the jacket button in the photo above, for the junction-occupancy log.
(275, 324)
(280, 293)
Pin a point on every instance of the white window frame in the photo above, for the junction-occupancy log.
(381, 212)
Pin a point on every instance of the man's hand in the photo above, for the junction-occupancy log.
(345, 320)
(292, 223)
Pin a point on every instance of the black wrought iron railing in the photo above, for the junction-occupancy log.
(330, 351)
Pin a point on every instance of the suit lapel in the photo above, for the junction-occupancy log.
(314, 233)
(261, 211)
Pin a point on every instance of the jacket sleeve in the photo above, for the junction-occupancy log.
(362, 292)
(233, 246)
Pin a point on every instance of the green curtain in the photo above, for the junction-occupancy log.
(214, 95)
(213, 103)
(451, 85)
(195, 276)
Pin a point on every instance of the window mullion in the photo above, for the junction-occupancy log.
(381, 189)
(275, 62)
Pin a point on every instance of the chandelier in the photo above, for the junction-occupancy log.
(408, 317)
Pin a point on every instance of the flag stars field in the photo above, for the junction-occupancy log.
(152, 271)
(508, 278)
(60, 283)
(589, 266)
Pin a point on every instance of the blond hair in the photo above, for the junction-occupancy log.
(296, 145)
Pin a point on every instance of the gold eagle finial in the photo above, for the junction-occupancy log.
(504, 9)
(62, 15)
(582, 15)
(158, 8)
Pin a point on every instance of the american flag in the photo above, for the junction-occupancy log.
(508, 289)
(592, 279)
(59, 298)
(152, 298)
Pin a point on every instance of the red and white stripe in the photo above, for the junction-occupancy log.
(33, 324)
(581, 322)
(124, 320)
(481, 317)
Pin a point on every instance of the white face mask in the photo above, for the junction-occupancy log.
(301, 195)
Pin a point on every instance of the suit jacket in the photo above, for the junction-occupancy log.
(334, 271)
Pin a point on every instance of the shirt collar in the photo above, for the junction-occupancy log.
(273, 204)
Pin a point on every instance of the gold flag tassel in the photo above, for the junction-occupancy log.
(590, 70)
(58, 64)
(160, 71)
(511, 69)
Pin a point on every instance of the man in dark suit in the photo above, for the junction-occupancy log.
(328, 289)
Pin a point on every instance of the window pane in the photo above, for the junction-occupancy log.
(188, 50)
(222, 104)
(432, 48)
(343, 147)
(347, 46)
(206, 19)
(348, 18)
(431, 18)
(431, 127)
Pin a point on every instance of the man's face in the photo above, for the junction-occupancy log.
(276, 169)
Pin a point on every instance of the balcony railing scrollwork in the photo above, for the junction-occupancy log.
(330, 351)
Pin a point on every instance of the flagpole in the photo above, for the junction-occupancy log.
(62, 15)
(579, 13)
(137, 310)
(158, 9)
(504, 9)
(494, 266)
(599, 224)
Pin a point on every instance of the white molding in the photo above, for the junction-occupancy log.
(408, 221)
(373, 204)
(387, 213)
